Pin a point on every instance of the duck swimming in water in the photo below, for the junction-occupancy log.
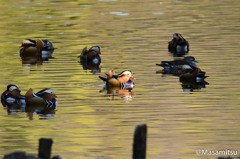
(45, 97)
(91, 56)
(31, 48)
(191, 74)
(175, 67)
(12, 96)
(179, 62)
(178, 44)
(122, 80)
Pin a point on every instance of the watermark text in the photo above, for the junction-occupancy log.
(208, 152)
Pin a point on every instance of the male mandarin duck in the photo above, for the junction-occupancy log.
(122, 80)
(45, 97)
(191, 74)
(12, 96)
(178, 44)
(91, 56)
(31, 47)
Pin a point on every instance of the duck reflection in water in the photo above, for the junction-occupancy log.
(175, 67)
(192, 78)
(35, 52)
(90, 59)
(178, 45)
(113, 92)
(119, 85)
(43, 103)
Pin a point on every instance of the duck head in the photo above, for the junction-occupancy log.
(13, 89)
(96, 49)
(178, 36)
(47, 94)
(125, 76)
(190, 59)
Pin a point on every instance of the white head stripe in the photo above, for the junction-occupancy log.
(12, 88)
(127, 72)
(95, 48)
(49, 91)
(27, 42)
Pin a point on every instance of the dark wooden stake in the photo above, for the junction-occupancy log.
(44, 150)
(139, 142)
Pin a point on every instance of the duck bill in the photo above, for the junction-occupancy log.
(132, 77)
(55, 96)
(99, 53)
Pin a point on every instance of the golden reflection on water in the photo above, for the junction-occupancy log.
(132, 35)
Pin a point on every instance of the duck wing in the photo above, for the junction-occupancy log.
(29, 94)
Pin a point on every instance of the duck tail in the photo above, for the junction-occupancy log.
(159, 65)
(163, 64)
(102, 78)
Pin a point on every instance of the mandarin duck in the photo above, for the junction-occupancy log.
(12, 97)
(91, 56)
(191, 74)
(192, 78)
(39, 47)
(122, 80)
(44, 98)
(178, 44)
(175, 67)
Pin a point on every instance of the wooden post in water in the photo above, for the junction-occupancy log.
(44, 150)
(139, 142)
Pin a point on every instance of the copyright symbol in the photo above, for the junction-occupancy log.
(198, 152)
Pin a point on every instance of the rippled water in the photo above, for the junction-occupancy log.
(133, 35)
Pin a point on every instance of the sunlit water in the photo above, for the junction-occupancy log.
(133, 35)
